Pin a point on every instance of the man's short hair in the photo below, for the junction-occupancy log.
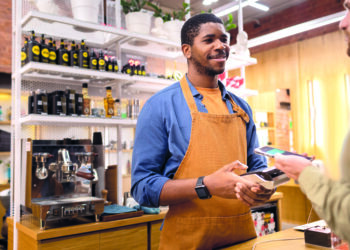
(191, 27)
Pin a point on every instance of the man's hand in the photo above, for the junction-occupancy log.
(222, 183)
(252, 195)
(291, 165)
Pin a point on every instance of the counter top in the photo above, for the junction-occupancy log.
(33, 231)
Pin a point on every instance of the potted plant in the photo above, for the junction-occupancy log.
(158, 15)
(173, 22)
(135, 19)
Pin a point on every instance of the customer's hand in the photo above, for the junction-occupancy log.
(222, 183)
(252, 195)
(291, 165)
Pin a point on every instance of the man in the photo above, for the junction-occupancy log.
(192, 141)
(330, 199)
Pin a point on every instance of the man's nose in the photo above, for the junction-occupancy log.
(345, 22)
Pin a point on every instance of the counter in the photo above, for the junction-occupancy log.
(132, 233)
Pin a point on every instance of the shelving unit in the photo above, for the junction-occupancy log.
(36, 74)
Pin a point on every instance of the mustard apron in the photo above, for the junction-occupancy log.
(216, 140)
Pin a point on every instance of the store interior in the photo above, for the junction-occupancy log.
(58, 111)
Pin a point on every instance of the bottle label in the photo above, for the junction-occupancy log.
(101, 62)
(23, 56)
(94, 62)
(36, 50)
(52, 56)
(116, 68)
(65, 57)
(45, 53)
(75, 56)
(85, 54)
(110, 67)
(86, 106)
(59, 103)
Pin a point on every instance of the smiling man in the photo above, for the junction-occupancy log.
(193, 140)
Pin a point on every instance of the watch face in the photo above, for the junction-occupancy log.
(202, 192)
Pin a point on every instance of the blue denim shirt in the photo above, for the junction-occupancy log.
(162, 136)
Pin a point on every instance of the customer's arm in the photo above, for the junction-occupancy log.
(330, 199)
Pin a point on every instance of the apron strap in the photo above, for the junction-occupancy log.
(188, 95)
(239, 110)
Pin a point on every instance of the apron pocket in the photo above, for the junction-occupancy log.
(211, 232)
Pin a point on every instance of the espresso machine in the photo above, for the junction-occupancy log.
(60, 178)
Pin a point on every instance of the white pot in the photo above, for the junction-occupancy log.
(158, 29)
(47, 6)
(139, 22)
(173, 29)
(86, 10)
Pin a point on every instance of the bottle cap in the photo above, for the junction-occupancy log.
(85, 85)
(108, 88)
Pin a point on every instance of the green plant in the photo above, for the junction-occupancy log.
(133, 5)
(228, 24)
(180, 14)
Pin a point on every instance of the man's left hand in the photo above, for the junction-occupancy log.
(253, 196)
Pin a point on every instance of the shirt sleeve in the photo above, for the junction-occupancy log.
(149, 155)
(330, 199)
(255, 162)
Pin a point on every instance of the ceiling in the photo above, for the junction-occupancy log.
(249, 13)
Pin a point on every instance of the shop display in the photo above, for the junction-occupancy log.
(86, 100)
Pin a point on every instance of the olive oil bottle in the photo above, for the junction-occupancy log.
(93, 60)
(101, 62)
(109, 102)
(63, 56)
(45, 54)
(74, 55)
(52, 52)
(86, 100)
(33, 49)
(24, 57)
(83, 56)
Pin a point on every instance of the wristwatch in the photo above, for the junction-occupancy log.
(201, 189)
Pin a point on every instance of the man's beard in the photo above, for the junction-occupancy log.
(348, 50)
(206, 70)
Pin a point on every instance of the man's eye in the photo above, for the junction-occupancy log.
(208, 40)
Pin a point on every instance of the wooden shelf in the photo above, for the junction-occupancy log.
(5, 122)
(5, 153)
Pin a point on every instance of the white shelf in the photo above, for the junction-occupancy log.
(234, 61)
(36, 71)
(54, 120)
(243, 92)
(96, 35)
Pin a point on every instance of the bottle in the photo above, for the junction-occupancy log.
(143, 70)
(44, 55)
(124, 108)
(74, 55)
(33, 49)
(63, 56)
(52, 51)
(101, 62)
(31, 102)
(110, 65)
(117, 108)
(93, 60)
(1, 114)
(24, 57)
(109, 102)
(115, 65)
(86, 100)
(83, 56)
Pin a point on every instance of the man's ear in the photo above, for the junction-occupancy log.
(186, 50)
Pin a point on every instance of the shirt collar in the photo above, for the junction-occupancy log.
(224, 93)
